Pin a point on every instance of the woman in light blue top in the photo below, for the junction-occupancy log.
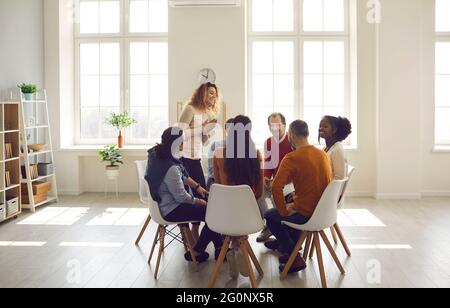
(171, 186)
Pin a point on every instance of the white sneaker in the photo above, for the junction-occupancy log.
(264, 235)
(232, 266)
(242, 266)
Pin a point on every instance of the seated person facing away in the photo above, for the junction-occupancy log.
(276, 148)
(310, 171)
(239, 163)
(167, 178)
(212, 149)
(335, 130)
(232, 168)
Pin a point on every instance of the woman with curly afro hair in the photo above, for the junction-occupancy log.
(335, 130)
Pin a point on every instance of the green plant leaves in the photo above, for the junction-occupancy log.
(120, 121)
(111, 154)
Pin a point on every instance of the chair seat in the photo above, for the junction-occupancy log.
(171, 223)
(305, 227)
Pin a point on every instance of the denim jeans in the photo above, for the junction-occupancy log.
(286, 236)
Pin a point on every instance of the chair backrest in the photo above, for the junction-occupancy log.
(233, 211)
(325, 214)
(350, 171)
(155, 212)
(141, 168)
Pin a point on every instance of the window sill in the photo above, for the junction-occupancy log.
(92, 150)
(441, 149)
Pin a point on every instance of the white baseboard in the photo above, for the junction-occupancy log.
(69, 192)
(431, 193)
(360, 194)
(398, 196)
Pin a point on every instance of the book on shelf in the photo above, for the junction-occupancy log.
(7, 179)
(8, 150)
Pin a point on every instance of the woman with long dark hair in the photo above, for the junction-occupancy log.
(239, 163)
(172, 187)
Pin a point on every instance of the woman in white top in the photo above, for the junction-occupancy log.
(335, 130)
(198, 120)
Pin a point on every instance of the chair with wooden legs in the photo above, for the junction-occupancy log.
(141, 168)
(325, 216)
(166, 229)
(233, 212)
(335, 230)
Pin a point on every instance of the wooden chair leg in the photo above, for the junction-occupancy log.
(157, 234)
(147, 221)
(162, 236)
(307, 246)
(333, 234)
(251, 273)
(189, 246)
(341, 237)
(184, 239)
(294, 253)
(313, 248)
(320, 260)
(254, 258)
(332, 252)
(219, 262)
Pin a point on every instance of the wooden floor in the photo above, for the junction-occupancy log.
(394, 244)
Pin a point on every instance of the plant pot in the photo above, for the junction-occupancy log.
(28, 96)
(112, 172)
(120, 141)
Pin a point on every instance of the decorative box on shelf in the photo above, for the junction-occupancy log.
(39, 188)
(40, 192)
(37, 198)
(45, 169)
(12, 206)
(2, 212)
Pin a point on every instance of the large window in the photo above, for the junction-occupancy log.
(121, 65)
(299, 61)
(442, 74)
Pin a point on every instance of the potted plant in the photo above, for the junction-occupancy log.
(120, 122)
(27, 90)
(111, 154)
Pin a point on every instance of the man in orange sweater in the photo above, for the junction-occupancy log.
(310, 170)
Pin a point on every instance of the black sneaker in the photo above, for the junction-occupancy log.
(272, 244)
(203, 257)
(285, 258)
(298, 266)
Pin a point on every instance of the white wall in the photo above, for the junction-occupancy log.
(395, 94)
(21, 43)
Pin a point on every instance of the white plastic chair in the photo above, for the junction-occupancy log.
(233, 212)
(162, 231)
(336, 230)
(324, 216)
(141, 167)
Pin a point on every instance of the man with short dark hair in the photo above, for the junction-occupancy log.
(275, 149)
(310, 171)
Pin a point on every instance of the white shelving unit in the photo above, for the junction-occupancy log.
(36, 126)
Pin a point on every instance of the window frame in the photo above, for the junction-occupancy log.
(124, 37)
(440, 38)
(127, 97)
(299, 36)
